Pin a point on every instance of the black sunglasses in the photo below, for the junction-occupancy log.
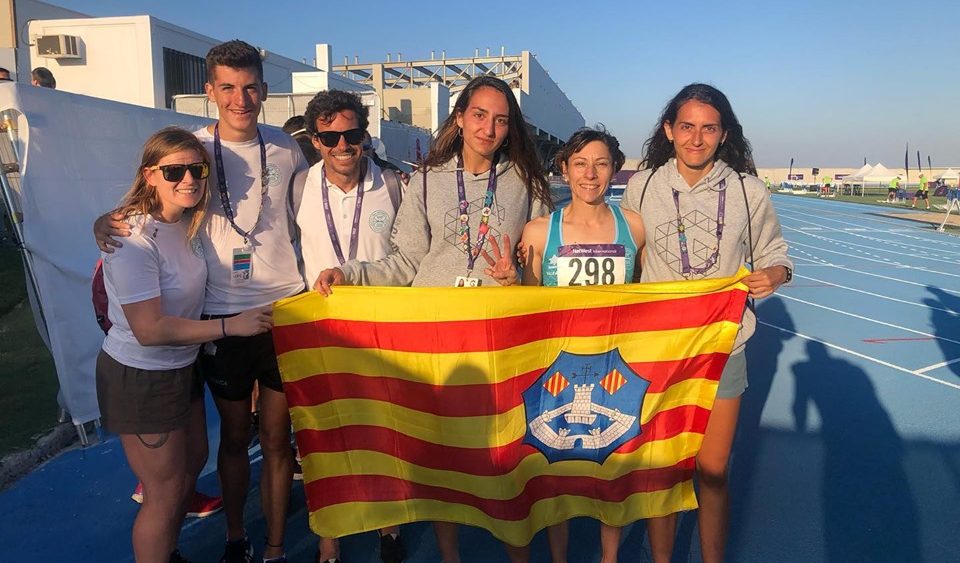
(331, 139)
(176, 172)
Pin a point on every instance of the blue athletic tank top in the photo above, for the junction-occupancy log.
(588, 264)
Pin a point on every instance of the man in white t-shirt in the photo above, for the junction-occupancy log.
(251, 262)
(346, 212)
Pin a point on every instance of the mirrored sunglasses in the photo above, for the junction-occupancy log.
(176, 172)
(331, 139)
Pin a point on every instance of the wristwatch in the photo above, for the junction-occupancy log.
(789, 274)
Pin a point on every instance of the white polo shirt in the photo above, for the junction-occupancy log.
(376, 221)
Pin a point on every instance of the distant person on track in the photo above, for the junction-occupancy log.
(148, 387)
(923, 192)
(697, 164)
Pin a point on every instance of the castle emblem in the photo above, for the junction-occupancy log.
(584, 406)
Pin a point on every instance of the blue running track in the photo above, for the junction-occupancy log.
(848, 447)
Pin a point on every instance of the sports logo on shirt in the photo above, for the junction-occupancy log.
(379, 221)
(273, 175)
(584, 407)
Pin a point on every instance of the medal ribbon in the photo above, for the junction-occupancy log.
(463, 231)
(222, 182)
(682, 235)
(355, 227)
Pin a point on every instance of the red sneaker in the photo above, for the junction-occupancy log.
(202, 505)
(137, 495)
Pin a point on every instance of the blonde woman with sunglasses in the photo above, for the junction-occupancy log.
(147, 387)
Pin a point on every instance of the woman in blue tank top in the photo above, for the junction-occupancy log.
(586, 243)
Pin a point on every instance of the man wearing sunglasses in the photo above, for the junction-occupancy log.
(346, 213)
(251, 262)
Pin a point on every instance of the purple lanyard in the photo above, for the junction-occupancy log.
(355, 227)
(463, 231)
(682, 235)
(222, 182)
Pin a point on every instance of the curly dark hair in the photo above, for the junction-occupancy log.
(518, 146)
(325, 105)
(586, 135)
(234, 54)
(735, 150)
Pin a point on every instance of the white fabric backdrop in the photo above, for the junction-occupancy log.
(81, 155)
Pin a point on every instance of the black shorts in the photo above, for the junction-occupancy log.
(891, 191)
(920, 194)
(142, 401)
(230, 365)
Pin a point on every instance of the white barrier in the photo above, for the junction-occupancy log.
(80, 157)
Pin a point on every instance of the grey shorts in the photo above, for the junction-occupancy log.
(141, 401)
(733, 380)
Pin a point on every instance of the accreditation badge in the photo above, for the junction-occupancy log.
(241, 269)
(591, 264)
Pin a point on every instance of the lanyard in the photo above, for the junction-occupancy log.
(463, 230)
(355, 227)
(222, 182)
(682, 235)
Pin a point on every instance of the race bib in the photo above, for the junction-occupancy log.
(591, 264)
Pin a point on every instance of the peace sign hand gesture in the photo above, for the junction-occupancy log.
(502, 269)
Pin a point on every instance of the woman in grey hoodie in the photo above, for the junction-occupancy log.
(479, 185)
(706, 214)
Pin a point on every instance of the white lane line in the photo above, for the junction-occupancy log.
(824, 215)
(868, 319)
(906, 282)
(871, 249)
(938, 366)
(885, 262)
(863, 356)
(879, 295)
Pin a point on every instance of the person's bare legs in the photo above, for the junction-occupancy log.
(233, 463)
(329, 548)
(159, 462)
(609, 543)
(558, 538)
(197, 452)
(277, 477)
(714, 514)
(448, 541)
(517, 554)
(662, 531)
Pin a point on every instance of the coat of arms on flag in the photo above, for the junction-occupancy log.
(506, 408)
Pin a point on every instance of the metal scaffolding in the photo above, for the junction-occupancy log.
(454, 73)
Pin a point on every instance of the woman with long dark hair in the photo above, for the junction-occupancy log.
(483, 171)
(706, 214)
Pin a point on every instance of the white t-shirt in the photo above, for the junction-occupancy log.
(156, 261)
(274, 273)
(376, 221)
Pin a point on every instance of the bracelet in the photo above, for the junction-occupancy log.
(223, 327)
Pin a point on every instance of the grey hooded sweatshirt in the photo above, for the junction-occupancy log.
(425, 251)
(698, 210)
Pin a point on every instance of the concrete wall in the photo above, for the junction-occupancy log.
(412, 106)
(122, 58)
(14, 53)
(553, 111)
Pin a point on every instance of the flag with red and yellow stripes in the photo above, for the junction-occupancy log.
(506, 408)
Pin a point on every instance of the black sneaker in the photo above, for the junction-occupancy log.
(391, 549)
(175, 557)
(238, 551)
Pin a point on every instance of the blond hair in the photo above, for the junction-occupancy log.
(142, 198)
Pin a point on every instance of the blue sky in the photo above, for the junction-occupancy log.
(826, 83)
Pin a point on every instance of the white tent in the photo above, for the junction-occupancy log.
(879, 173)
(858, 175)
(949, 174)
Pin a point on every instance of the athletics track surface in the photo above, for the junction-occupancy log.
(848, 448)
